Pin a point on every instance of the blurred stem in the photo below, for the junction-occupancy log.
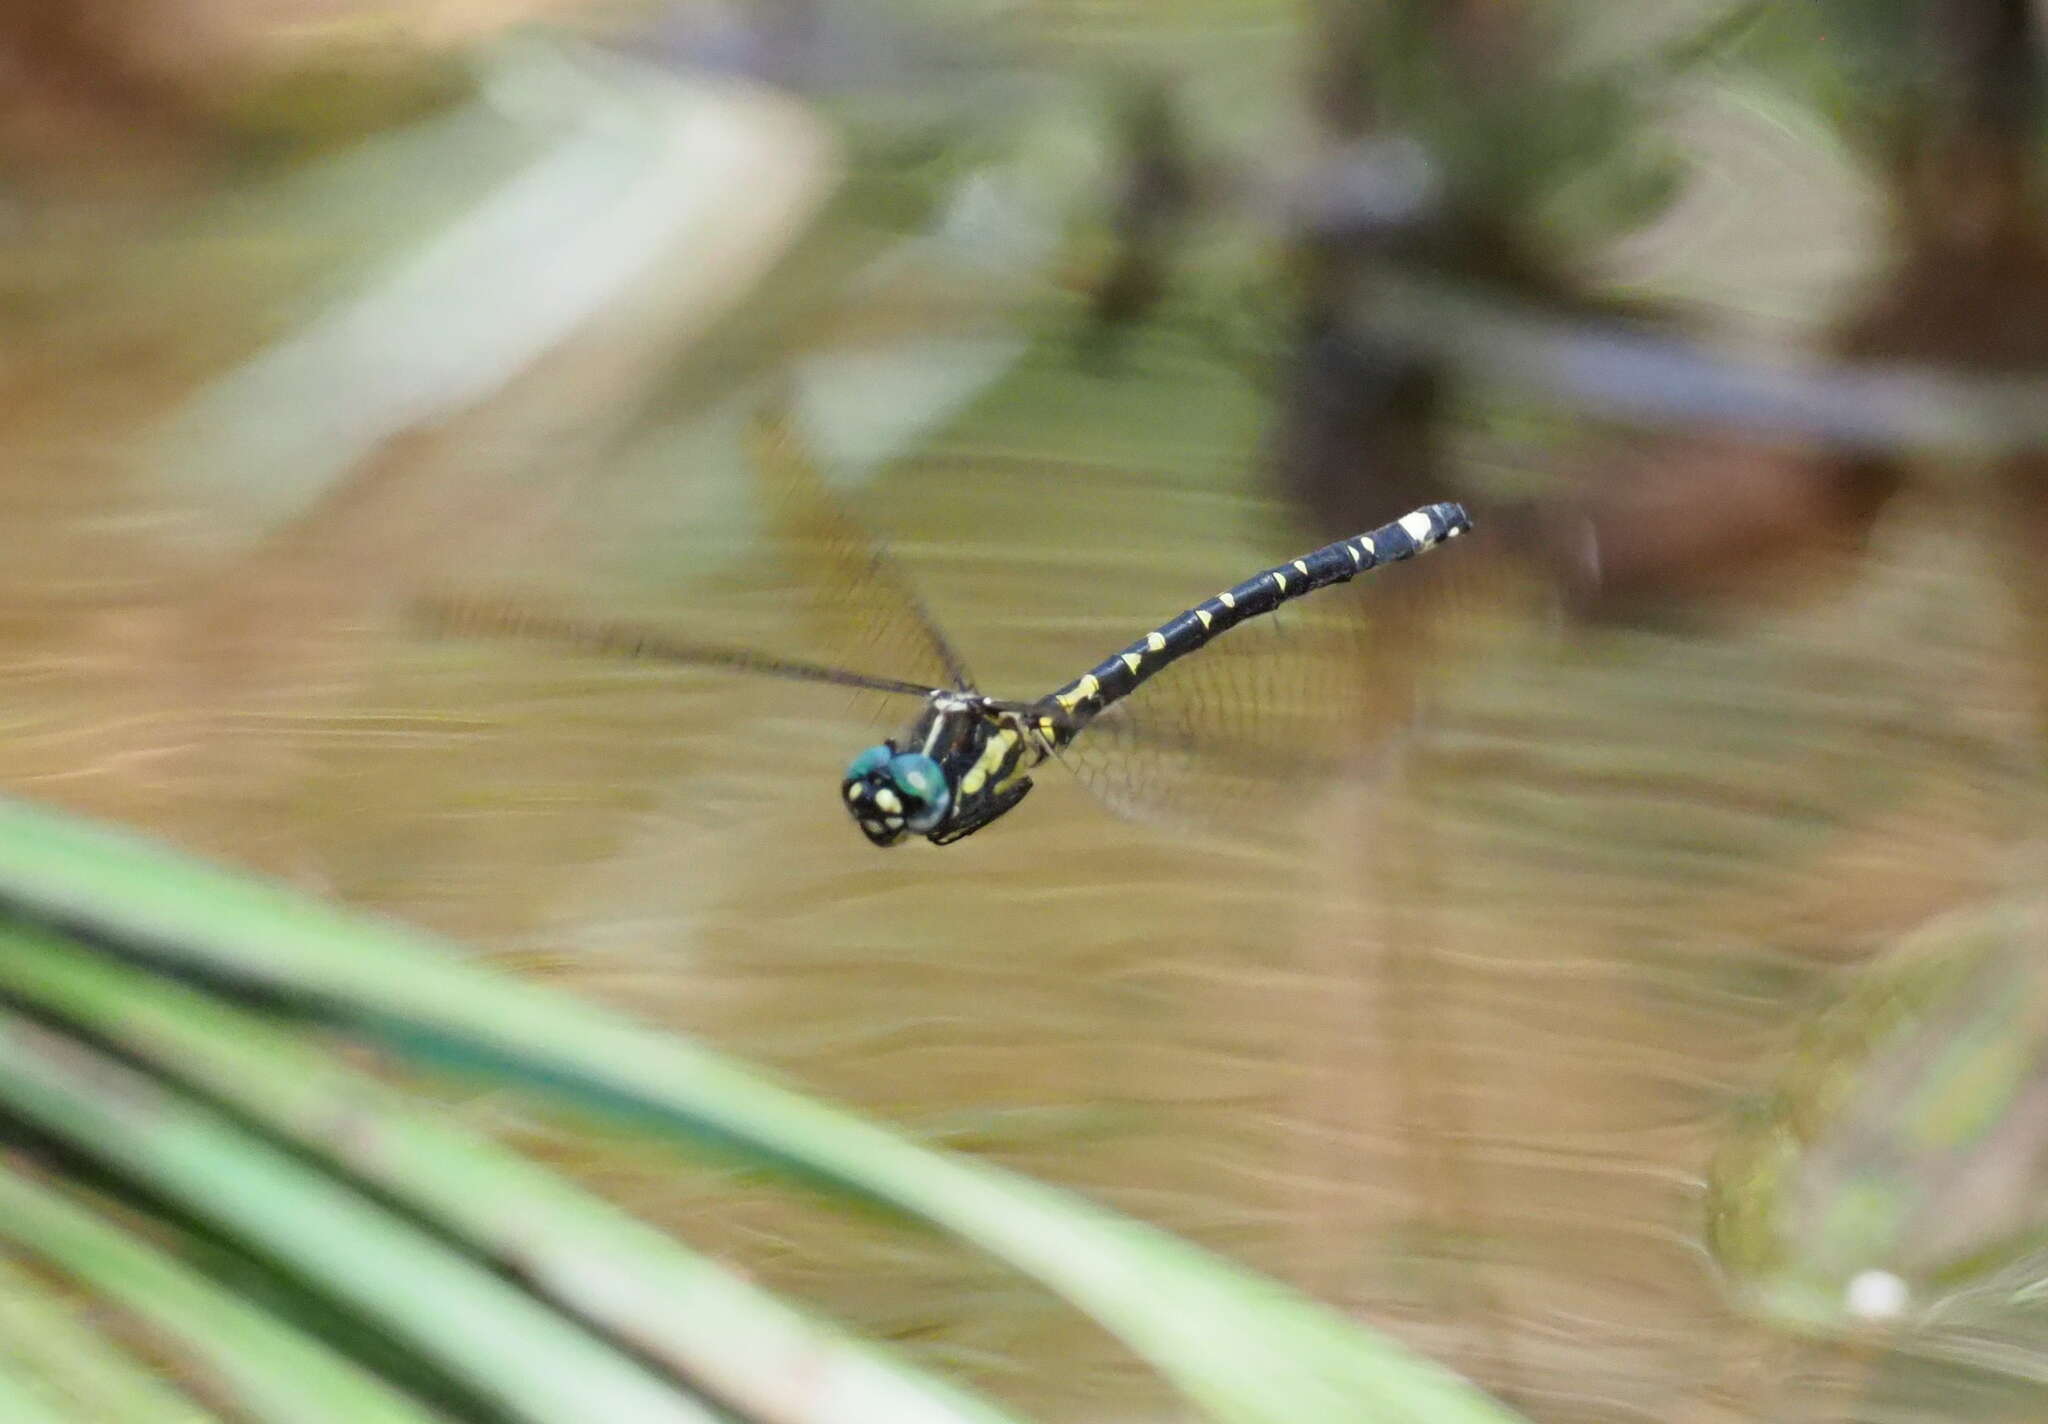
(1236, 1343)
(275, 1371)
(41, 1336)
(20, 1403)
(739, 1343)
(501, 1342)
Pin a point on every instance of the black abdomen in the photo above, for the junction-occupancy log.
(1117, 677)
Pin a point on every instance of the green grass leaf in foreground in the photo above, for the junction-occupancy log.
(264, 1364)
(588, 1259)
(1244, 1348)
(50, 1356)
(480, 1329)
(20, 1401)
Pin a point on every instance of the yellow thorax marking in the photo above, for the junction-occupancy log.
(989, 762)
(1023, 766)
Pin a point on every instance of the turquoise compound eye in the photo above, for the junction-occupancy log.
(926, 797)
(868, 762)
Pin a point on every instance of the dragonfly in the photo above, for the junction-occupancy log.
(965, 758)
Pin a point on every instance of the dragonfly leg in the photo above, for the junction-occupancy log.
(995, 806)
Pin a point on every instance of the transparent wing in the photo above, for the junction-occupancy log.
(475, 618)
(807, 594)
(859, 608)
(1236, 735)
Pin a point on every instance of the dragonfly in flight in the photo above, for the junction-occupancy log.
(966, 758)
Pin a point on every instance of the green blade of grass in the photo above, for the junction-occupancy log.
(499, 1342)
(47, 1353)
(271, 1369)
(1241, 1346)
(739, 1344)
(19, 1400)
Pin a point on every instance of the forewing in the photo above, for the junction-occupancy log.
(860, 609)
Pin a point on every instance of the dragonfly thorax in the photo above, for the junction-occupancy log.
(960, 765)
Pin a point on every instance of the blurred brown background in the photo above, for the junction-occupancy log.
(312, 309)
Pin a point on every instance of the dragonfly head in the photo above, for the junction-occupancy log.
(892, 794)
